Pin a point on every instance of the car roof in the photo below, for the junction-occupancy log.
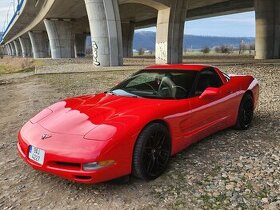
(187, 67)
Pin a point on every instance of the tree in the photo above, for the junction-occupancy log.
(226, 49)
(141, 51)
(205, 50)
(251, 48)
(242, 47)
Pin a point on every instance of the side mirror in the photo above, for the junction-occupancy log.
(209, 93)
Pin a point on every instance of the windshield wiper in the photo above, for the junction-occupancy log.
(110, 92)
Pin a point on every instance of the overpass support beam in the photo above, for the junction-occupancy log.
(80, 45)
(10, 47)
(61, 38)
(106, 35)
(7, 49)
(40, 44)
(13, 50)
(127, 38)
(25, 46)
(170, 33)
(267, 29)
(17, 47)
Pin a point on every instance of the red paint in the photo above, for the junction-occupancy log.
(105, 127)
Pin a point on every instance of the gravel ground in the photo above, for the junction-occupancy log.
(229, 170)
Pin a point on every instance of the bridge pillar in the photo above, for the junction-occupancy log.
(13, 50)
(25, 46)
(80, 45)
(17, 47)
(170, 33)
(61, 38)
(8, 50)
(40, 43)
(127, 38)
(106, 35)
(267, 29)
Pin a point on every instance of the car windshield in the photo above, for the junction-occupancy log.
(160, 84)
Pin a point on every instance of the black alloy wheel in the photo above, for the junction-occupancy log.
(152, 152)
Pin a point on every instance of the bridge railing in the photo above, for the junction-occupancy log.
(16, 13)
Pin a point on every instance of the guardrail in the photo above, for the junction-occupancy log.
(18, 8)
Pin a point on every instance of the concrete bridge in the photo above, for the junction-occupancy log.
(58, 28)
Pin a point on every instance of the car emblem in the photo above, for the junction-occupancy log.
(45, 136)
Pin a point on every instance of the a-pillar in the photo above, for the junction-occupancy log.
(40, 43)
(170, 32)
(80, 45)
(25, 46)
(128, 28)
(106, 35)
(17, 47)
(267, 29)
(61, 38)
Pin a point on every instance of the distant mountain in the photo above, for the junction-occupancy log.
(146, 40)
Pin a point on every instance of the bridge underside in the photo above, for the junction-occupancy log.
(58, 28)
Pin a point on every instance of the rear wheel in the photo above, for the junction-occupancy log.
(152, 152)
(245, 113)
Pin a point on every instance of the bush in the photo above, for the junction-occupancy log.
(205, 50)
(141, 51)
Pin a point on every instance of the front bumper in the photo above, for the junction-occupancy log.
(69, 164)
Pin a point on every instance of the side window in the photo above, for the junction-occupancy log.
(207, 78)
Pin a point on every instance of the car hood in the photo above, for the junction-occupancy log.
(80, 115)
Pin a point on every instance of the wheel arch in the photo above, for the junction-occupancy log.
(160, 121)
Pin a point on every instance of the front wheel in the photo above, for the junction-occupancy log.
(245, 113)
(152, 152)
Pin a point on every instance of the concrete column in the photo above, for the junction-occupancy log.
(267, 29)
(13, 49)
(106, 35)
(17, 47)
(127, 38)
(61, 38)
(40, 43)
(80, 45)
(25, 46)
(6, 50)
(170, 33)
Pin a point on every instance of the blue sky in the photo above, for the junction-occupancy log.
(237, 25)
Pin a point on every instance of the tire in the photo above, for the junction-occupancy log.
(152, 152)
(245, 113)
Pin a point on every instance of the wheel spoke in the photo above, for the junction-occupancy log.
(150, 164)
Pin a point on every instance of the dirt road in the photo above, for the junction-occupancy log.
(230, 169)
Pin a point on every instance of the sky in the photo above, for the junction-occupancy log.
(237, 25)
(6, 10)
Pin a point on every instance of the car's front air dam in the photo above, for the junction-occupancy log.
(69, 164)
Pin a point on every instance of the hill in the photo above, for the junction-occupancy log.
(146, 39)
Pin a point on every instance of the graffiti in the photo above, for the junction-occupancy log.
(95, 54)
(161, 52)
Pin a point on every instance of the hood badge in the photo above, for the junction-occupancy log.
(45, 136)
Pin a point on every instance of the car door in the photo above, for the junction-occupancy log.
(207, 114)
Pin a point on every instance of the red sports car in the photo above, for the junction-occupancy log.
(138, 125)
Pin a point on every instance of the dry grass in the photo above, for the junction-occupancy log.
(14, 65)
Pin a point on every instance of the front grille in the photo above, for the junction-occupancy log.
(65, 165)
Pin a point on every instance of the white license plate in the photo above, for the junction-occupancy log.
(36, 154)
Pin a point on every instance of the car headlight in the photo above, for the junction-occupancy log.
(97, 165)
(101, 133)
(41, 115)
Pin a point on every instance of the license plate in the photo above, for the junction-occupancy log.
(36, 154)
